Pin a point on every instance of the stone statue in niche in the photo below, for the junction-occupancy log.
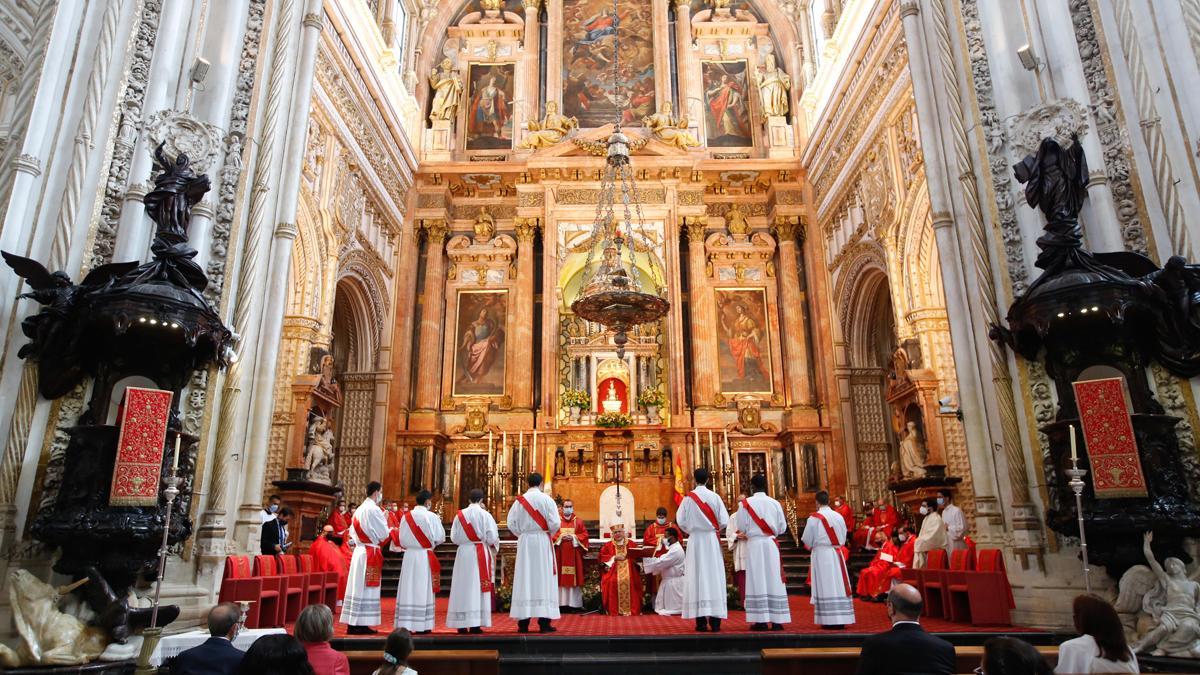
(553, 128)
(560, 463)
(1160, 606)
(666, 462)
(485, 226)
(912, 453)
(328, 386)
(447, 91)
(735, 222)
(670, 130)
(318, 451)
(773, 85)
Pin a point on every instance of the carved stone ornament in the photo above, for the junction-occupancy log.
(475, 425)
(750, 417)
(181, 134)
(1061, 119)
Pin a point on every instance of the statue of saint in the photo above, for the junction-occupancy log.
(552, 129)
(773, 85)
(318, 454)
(611, 402)
(670, 130)
(912, 453)
(1174, 606)
(447, 90)
(735, 222)
(485, 226)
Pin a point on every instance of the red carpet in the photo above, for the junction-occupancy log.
(871, 618)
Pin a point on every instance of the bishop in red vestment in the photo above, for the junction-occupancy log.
(876, 579)
(570, 545)
(883, 517)
(621, 585)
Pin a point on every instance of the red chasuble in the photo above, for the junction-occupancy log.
(393, 519)
(340, 522)
(568, 555)
(876, 579)
(327, 557)
(621, 585)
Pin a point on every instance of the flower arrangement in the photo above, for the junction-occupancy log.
(614, 420)
(576, 398)
(651, 397)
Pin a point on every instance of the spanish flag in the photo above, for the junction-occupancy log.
(679, 489)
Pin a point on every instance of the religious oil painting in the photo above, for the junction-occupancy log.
(589, 29)
(727, 104)
(489, 108)
(743, 350)
(479, 344)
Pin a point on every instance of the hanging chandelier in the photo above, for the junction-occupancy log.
(613, 295)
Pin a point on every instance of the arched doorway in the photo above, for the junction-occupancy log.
(354, 349)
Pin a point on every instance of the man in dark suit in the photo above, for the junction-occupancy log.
(906, 648)
(273, 540)
(217, 655)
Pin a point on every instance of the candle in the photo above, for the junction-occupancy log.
(533, 453)
(502, 460)
(491, 451)
(520, 451)
(728, 455)
(1074, 453)
(175, 464)
(696, 447)
(712, 449)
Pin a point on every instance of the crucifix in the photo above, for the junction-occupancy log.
(615, 459)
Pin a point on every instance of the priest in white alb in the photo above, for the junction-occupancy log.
(368, 531)
(669, 569)
(533, 518)
(419, 534)
(762, 519)
(933, 532)
(475, 532)
(824, 535)
(702, 515)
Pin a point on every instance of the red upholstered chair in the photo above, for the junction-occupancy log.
(933, 583)
(956, 606)
(327, 581)
(313, 582)
(985, 592)
(239, 583)
(293, 585)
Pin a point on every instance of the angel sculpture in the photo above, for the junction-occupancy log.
(48, 636)
(1160, 606)
(670, 130)
(553, 128)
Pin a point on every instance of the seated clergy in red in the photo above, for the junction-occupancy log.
(883, 517)
(844, 510)
(895, 554)
(327, 557)
(570, 545)
(339, 522)
(621, 585)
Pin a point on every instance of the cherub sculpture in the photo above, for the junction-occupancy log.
(1160, 606)
(670, 130)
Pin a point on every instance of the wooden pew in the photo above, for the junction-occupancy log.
(844, 660)
(432, 661)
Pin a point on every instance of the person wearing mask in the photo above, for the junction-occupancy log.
(654, 541)
(906, 648)
(396, 650)
(620, 584)
(762, 519)
(570, 545)
(273, 537)
(701, 515)
(735, 541)
(368, 531)
(272, 507)
(279, 654)
(825, 536)
(328, 558)
(314, 630)
(668, 568)
(478, 539)
(843, 509)
(420, 533)
(534, 519)
(955, 520)
(1010, 656)
(1101, 646)
(875, 580)
(217, 655)
(933, 532)
(339, 522)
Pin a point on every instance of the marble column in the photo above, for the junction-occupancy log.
(522, 384)
(402, 342)
(704, 325)
(683, 52)
(433, 303)
(791, 300)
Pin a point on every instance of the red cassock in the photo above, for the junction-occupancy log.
(340, 522)
(328, 558)
(568, 555)
(877, 578)
(847, 514)
(886, 519)
(621, 585)
(651, 538)
(393, 519)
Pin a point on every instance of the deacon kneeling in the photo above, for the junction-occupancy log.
(475, 532)
(419, 534)
(762, 519)
(669, 568)
(621, 585)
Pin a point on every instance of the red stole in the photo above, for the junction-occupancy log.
(482, 555)
(707, 511)
(541, 522)
(435, 567)
(833, 540)
(374, 556)
(766, 529)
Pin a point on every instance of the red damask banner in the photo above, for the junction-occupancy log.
(1108, 435)
(140, 446)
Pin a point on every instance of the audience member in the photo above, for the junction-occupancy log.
(1101, 645)
(395, 654)
(274, 537)
(277, 654)
(217, 655)
(906, 648)
(1010, 656)
(314, 629)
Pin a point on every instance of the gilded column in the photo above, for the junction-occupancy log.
(522, 384)
(433, 303)
(704, 327)
(791, 300)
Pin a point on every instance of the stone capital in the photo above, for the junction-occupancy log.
(694, 227)
(787, 228)
(286, 231)
(314, 20)
(435, 229)
(527, 228)
(909, 8)
(533, 5)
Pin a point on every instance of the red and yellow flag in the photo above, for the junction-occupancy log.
(679, 489)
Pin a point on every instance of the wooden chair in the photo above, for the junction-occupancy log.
(238, 583)
(328, 581)
(292, 594)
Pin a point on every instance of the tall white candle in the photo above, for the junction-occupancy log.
(728, 454)
(533, 453)
(1074, 453)
(491, 449)
(520, 451)
(503, 459)
(175, 463)
(696, 449)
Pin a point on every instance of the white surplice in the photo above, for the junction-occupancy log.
(414, 594)
(704, 570)
(956, 528)
(469, 606)
(535, 583)
(932, 536)
(832, 603)
(669, 568)
(766, 596)
(361, 605)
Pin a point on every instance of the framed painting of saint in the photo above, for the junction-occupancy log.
(743, 350)
(727, 104)
(479, 358)
(489, 106)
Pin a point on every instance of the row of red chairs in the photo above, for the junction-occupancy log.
(970, 589)
(278, 586)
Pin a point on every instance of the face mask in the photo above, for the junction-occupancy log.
(662, 521)
(274, 508)
(377, 498)
(341, 509)
(904, 537)
(568, 511)
(395, 508)
(924, 510)
(838, 503)
(941, 501)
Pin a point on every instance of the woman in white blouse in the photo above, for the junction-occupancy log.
(1101, 645)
